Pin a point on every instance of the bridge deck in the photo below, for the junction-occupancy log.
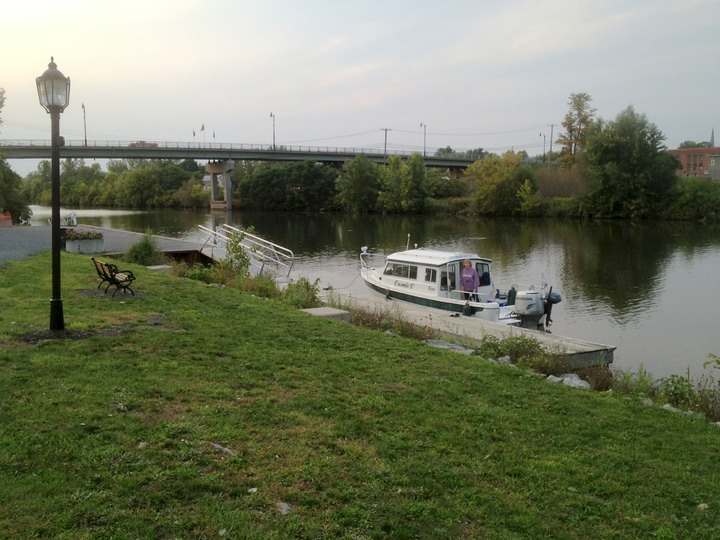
(40, 149)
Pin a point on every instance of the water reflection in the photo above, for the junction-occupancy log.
(625, 284)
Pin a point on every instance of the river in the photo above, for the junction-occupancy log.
(650, 289)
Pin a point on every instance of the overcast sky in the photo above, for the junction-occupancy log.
(335, 73)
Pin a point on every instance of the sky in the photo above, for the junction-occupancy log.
(461, 73)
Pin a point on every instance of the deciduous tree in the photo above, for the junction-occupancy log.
(415, 188)
(578, 124)
(629, 166)
(358, 185)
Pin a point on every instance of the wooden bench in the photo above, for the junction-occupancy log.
(109, 273)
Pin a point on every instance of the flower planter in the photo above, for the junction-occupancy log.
(84, 246)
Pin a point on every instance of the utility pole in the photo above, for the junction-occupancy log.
(273, 117)
(385, 151)
(552, 126)
(84, 123)
(424, 126)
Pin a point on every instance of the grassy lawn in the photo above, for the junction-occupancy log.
(191, 411)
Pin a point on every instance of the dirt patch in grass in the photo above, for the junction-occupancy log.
(33, 338)
(123, 326)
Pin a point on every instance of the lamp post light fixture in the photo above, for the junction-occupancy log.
(54, 95)
(424, 126)
(273, 117)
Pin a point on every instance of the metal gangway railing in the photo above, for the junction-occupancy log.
(265, 255)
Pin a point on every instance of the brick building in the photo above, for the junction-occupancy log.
(701, 162)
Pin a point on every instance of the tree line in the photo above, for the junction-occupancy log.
(605, 169)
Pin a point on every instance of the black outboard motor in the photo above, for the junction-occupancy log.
(550, 300)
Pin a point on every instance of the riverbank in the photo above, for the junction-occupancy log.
(192, 411)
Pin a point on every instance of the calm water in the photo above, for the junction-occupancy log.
(652, 290)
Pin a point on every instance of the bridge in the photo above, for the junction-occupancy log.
(40, 149)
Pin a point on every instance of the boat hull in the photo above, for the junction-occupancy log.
(489, 311)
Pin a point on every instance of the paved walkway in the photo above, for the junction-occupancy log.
(18, 243)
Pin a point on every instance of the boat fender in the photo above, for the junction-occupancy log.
(467, 310)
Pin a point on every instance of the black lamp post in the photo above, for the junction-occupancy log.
(54, 94)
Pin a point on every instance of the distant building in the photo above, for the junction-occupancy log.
(714, 166)
(701, 162)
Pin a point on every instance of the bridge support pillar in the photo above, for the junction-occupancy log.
(216, 170)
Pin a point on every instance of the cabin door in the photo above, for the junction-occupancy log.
(448, 279)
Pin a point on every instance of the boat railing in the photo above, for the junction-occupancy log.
(267, 256)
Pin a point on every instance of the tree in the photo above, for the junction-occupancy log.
(392, 179)
(12, 196)
(358, 185)
(498, 181)
(693, 144)
(415, 188)
(289, 187)
(578, 124)
(629, 166)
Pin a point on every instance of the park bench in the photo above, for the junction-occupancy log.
(109, 273)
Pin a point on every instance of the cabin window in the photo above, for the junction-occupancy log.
(430, 275)
(401, 270)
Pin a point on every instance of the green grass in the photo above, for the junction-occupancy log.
(190, 411)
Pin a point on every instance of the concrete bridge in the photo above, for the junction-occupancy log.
(40, 149)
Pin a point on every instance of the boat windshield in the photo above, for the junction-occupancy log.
(401, 270)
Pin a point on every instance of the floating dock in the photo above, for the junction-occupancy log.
(471, 330)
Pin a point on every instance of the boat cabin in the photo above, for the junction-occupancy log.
(436, 273)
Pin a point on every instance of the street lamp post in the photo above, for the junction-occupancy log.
(54, 95)
(84, 124)
(273, 117)
(424, 126)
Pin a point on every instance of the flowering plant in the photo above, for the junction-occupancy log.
(80, 234)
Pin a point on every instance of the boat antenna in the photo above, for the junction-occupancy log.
(407, 246)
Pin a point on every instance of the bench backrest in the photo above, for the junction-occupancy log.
(104, 270)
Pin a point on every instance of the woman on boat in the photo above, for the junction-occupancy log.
(469, 281)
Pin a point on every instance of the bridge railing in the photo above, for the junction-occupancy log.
(289, 149)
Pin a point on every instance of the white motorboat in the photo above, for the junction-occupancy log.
(430, 278)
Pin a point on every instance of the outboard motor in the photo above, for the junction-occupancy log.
(550, 300)
(534, 310)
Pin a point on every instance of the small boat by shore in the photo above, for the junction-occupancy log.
(431, 278)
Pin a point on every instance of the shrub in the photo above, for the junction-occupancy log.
(600, 377)
(198, 272)
(262, 285)
(302, 294)
(226, 272)
(145, 251)
(679, 391)
(640, 383)
(518, 348)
